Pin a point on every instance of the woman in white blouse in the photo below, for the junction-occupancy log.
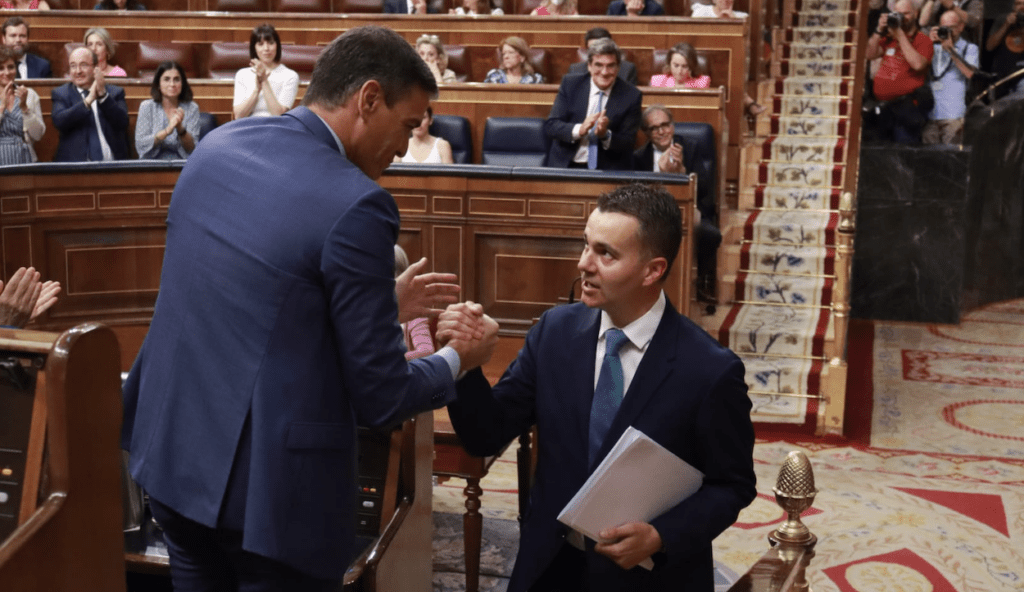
(21, 119)
(267, 87)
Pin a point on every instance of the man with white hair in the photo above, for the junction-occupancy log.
(953, 65)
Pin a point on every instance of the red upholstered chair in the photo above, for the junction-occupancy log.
(540, 59)
(152, 53)
(240, 5)
(358, 6)
(300, 6)
(228, 57)
(301, 58)
(458, 62)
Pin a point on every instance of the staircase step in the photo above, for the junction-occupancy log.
(825, 5)
(800, 149)
(775, 385)
(796, 174)
(818, 126)
(835, 35)
(791, 227)
(815, 68)
(810, 105)
(825, 19)
(791, 198)
(792, 259)
(816, 51)
(819, 86)
(777, 289)
(783, 331)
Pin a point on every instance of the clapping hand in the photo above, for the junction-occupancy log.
(601, 125)
(260, 69)
(24, 297)
(7, 99)
(671, 160)
(98, 90)
(424, 294)
(633, 7)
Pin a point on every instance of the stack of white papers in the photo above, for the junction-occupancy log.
(638, 481)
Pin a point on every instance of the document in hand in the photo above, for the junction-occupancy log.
(638, 481)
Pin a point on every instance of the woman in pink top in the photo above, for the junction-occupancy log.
(98, 40)
(682, 69)
(556, 8)
(22, 5)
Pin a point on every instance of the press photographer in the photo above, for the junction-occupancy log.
(953, 65)
(1006, 41)
(904, 100)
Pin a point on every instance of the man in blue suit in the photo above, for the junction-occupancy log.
(595, 117)
(276, 331)
(15, 36)
(675, 384)
(635, 8)
(408, 7)
(90, 115)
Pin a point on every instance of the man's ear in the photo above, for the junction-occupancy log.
(371, 97)
(655, 270)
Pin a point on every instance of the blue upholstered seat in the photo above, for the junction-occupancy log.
(515, 141)
(456, 130)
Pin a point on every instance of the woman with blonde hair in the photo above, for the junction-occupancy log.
(682, 68)
(431, 50)
(515, 64)
(99, 41)
(556, 8)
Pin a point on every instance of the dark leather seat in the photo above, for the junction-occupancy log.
(540, 59)
(515, 141)
(207, 123)
(458, 62)
(301, 58)
(456, 130)
(228, 57)
(702, 136)
(153, 53)
(240, 5)
(358, 6)
(300, 5)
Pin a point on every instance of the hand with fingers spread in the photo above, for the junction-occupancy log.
(424, 294)
(629, 544)
(47, 298)
(19, 296)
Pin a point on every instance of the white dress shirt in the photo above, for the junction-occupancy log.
(108, 154)
(639, 334)
(581, 153)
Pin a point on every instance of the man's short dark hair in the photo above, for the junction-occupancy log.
(14, 21)
(596, 33)
(363, 54)
(660, 222)
(604, 47)
(264, 32)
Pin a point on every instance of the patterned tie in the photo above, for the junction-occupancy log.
(608, 392)
(592, 144)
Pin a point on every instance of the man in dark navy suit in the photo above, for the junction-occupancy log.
(90, 115)
(15, 35)
(627, 69)
(276, 330)
(674, 383)
(635, 8)
(408, 7)
(595, 117)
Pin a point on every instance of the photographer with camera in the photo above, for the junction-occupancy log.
(953, 65)
(970, 12)
(904, 98)
(1006, 41)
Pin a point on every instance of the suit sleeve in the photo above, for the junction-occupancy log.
(559, 123)
(114, 109)
(624, 134)
(68, 110)
(358, 270)
(725, 441)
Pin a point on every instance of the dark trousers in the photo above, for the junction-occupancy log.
(567, 572)
(899, 120)
(205, 559)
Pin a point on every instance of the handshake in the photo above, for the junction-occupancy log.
(473, 335)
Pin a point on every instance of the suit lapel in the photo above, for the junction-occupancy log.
(656, 366)
(583, 367)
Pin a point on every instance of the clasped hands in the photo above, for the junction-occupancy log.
(597, 121)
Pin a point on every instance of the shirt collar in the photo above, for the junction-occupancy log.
(594, 90)
(337, 140)
(641, 331)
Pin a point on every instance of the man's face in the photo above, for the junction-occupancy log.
(17, 39)
(603, 70)
(612, 266)
(905, 8)
(386, 132)
(658, 127)
(951, 20)
(81, 67)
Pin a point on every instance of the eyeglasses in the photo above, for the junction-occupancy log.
(661, 127)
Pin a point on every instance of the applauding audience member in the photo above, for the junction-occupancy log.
(21, 119)
(515, 64)
(24, 5)
(267, 87)
(99, 41)
(119, 5)
(432, 51)
(23, 298)
(477, 7)
(682, 69)
(408, 7)
(15, 36)
(90, 115)
(556, 8)
(168, 123)
(425, 148)
(718, 9)
(635, 8)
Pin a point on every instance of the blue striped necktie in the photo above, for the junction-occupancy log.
(608, 392)
(592, 144)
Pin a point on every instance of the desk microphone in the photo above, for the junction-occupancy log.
(572, 290)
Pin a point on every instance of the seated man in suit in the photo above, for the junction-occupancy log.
(15, 34)
(90, 115)
(627, 70)
(621, 357)
(594, 119)
(635, 8)
(408, 7)
(668, 153)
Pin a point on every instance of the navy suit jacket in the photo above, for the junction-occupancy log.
(627, 70)
(74, 120)
(688, 394)
(643, 160)
(37, 67)
(570, 108)
(402, 7)
(275, 334)
(651, 8)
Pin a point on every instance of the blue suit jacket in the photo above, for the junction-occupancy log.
(73, 119)
(651, 8)
(37, 67)
(275, 333)
(402, 7)
(570, 108)
(688, 394)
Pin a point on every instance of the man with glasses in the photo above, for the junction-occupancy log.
(90, 115)
(594, 120)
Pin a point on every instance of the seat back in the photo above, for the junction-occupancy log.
(659, 57)
(358, 6)
(515, 141)
(539, 58)
(300, 5)
(456, 130)
(702, 135)
(207, 123)
(153, 53)
(301, 58)
(458, 62)
(228, 57)
(240, 5)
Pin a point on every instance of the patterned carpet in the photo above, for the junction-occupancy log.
(936, 503)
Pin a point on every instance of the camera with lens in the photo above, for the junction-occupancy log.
(894, 20)
(942, 33)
